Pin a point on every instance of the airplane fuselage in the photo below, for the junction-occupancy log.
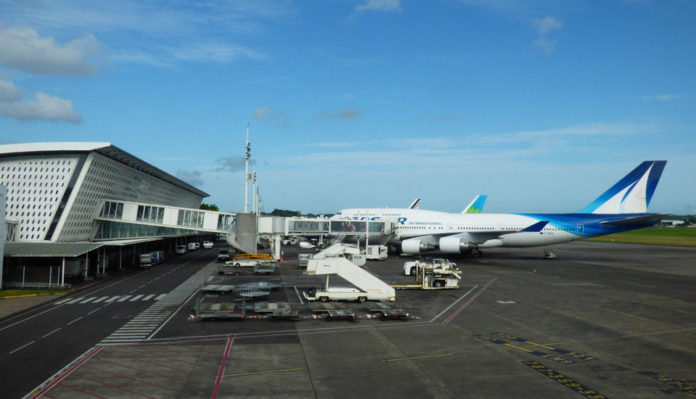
(492, 229)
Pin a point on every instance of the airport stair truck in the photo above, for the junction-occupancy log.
(369, 287)
(350, 251)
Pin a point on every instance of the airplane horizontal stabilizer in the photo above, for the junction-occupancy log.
(536, 227)
(634, 221)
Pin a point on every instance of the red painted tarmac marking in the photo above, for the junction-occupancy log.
(81, 391)
(158, 356)
(222, 368)
(137, 359)
(137, 369)
(130, 378)
(117, 387)
(68, 372)
(467, 303)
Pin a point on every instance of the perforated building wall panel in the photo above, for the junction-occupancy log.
(35, 187)
(103, 178)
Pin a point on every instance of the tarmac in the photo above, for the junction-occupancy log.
(600, 320)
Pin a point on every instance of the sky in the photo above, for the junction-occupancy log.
(541, 104)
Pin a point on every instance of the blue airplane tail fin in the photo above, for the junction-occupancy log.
(632, 194)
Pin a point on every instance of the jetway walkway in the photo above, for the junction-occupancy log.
(336, 227)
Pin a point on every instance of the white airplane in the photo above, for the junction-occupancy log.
(623, 207)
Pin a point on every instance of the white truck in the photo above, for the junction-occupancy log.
(367, 286)
(376, 252)
(150, 259)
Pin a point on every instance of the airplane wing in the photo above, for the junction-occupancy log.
(634, 221)
(415, 204)
(476, 206)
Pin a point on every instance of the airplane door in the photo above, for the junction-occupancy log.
(580, 228)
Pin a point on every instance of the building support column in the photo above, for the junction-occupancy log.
(62, 274)
(120, 257)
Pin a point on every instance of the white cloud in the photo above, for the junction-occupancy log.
(269, 114)
(44, 107)
(347, 113)
(8, 91)
(222, 53)
(192, 177)
(230, 164)
(379, 5)
(547, 24)
(25, 49)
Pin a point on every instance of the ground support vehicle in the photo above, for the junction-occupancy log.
(376, 252)
(277, 310)
(303, 260)
(181, 249)
(248, 260)
(387, 311)
(333, 311)
(249, 291)
(201, 311)
(223, 288)
(207, 244)
(265, 267)
(150, 259)
(549, 254)
(223, 255)
(191, 246)
(369, 287)
(432, 276)
(411, 267)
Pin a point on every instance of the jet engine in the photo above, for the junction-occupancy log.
(415, 246)
(454, 245)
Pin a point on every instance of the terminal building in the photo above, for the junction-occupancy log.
(78, 210)
(71, 212)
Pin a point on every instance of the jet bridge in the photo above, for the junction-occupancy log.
(335, 227)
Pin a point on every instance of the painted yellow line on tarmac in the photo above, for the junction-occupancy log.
(519, 347)
(264, 372)
(419, 357)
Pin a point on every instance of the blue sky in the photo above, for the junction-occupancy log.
(540, 104)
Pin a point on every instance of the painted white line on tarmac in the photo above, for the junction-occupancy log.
(123, 299)
(21, 347)
(160, 297)
(62, 301)
(453, 303)
(90, 299)
(100, 299)
(135, 298)
(75, 300)
(78, 319)
(95, 310)
(46, 335)
(113, 298)
(298, 294)
(147, 298)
